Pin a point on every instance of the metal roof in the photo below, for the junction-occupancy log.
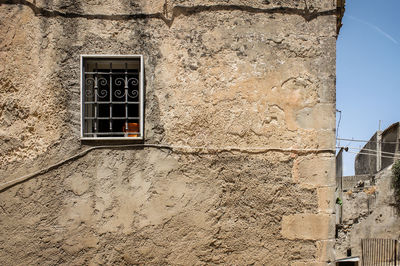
(349, 259)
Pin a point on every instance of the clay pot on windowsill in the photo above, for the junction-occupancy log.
(132, 128)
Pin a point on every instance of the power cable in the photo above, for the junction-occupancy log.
(358, 140)
(337, 128)
(371, 154)
(362, 149)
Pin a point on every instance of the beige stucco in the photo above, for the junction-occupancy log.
(239, 73)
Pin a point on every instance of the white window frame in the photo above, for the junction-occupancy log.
(141, 95)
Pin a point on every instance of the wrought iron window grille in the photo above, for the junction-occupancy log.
(111, 97)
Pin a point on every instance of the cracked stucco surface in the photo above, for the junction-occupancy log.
(368, 214)
(231, 73)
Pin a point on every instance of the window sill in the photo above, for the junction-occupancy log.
(111, 138)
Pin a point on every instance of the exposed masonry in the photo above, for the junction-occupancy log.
(368, 213)
(176, 11)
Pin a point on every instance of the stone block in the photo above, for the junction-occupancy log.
(326, 250)
(326, 199)
(321, 116)
(315, 171)
(308, 226)
(326, 138)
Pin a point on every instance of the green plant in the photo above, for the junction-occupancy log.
(339, 201)
(396, 182)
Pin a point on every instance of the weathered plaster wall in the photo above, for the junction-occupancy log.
(368, 213)
(389, 143)
(357, 181)
(364, 163)
(238, 73)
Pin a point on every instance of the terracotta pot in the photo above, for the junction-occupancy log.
(132, 127)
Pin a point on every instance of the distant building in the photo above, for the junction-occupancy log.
(367, 220)
(380, 152)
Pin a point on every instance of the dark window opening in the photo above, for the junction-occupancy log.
(112, 97)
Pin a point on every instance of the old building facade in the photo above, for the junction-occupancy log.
(369, 213)
(233, 161)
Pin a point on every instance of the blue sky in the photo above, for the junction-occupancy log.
(368, 71)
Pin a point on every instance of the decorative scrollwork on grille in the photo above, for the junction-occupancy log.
(89, 84)
(133, 81)
(119, 94)
(133, 93)
(92, 87)
(103, 93)
(90, 81)
(126, 82)
(119, 81)
(102, 81)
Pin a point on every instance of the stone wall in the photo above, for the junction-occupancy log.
(238, 73)
(388, 145)
(368, 213)
(365, 161)
(355, 182)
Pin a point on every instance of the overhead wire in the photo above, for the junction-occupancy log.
(371, 154)
(368, 141)
(362, 149)
(337, 128)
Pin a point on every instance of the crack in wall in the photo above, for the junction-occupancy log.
(175, 12)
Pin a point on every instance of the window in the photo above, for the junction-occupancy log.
(112, 97)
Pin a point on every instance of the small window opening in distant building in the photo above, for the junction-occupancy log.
(112, 97)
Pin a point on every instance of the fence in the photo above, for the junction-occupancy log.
(379, 252)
